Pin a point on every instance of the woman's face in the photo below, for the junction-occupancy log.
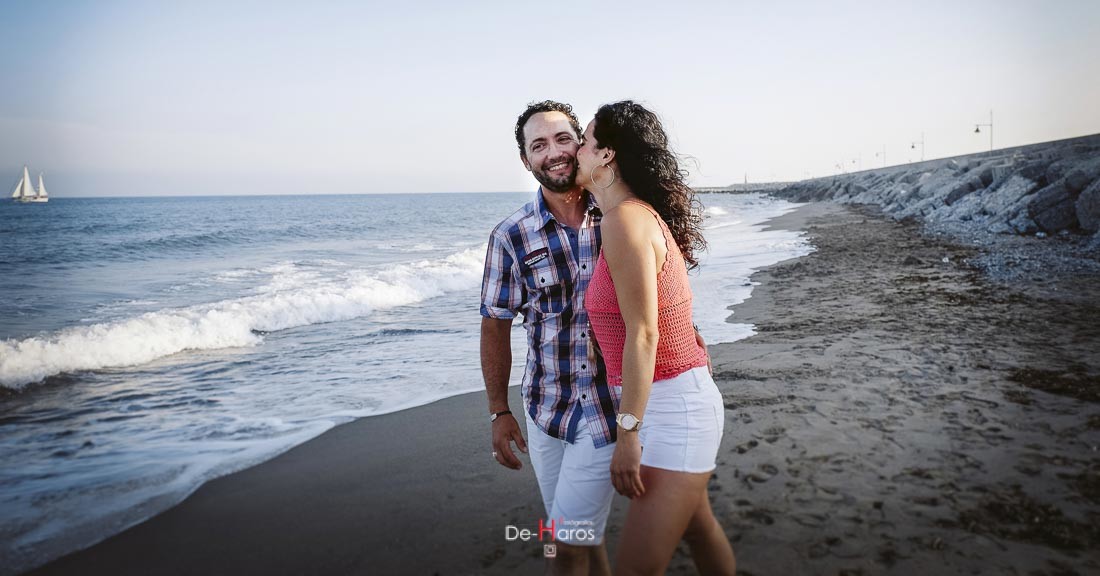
(589, 157)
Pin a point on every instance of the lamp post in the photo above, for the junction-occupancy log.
(913, 146)
(978, 129)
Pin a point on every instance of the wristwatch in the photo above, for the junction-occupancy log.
(628, 421)
(493, 417)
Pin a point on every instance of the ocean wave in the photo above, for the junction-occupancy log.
(715, 211)
(292, 299)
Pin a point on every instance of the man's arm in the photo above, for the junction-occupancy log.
(496, 367)
(703, 345)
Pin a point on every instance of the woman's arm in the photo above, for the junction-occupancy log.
(628, 249)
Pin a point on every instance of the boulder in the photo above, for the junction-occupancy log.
(1054, 207)
(986, 176)
(1083, 174)
(1088, 208)
(1002, 200)
(1058, 169)
(963, 188)
(1022, 223)
(1035, 170)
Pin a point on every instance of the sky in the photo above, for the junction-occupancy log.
(117, 98)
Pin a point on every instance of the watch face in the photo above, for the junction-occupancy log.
(629, 421)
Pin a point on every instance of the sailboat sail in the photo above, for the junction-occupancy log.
(25, 192)
(26, 189)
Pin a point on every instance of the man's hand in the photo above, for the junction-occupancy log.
(506, 431)
(626, 465)
(703, 345)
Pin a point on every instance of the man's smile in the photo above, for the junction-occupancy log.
(561, 166)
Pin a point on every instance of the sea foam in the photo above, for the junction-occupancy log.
(292, 298)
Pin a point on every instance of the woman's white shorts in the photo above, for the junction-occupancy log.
(683, 423)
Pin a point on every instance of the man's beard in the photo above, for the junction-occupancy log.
(560, 184)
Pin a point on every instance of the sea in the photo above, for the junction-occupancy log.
(148, 345)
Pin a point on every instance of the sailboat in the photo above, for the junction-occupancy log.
(25, 192)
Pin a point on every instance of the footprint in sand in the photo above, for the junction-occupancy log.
(746, 446)
(772, 435)
(759, 516)
(764, 473)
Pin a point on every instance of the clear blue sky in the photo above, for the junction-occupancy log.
(133, 97)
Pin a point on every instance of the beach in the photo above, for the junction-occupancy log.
(897, 412)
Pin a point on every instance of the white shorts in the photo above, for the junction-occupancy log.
(683, 423)
(575, 481)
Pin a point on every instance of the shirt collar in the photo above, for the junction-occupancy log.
(545, 217)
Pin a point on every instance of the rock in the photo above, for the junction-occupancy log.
(1083, 174)
(912, 261)
(1088, 208)
(1053, 207)
(1058, 169)
(957, 192)
(911, 178)
(986, 176)
(1021, 223)
(1004, 199)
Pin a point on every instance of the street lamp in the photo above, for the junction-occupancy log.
(913, 146)
(978, 129)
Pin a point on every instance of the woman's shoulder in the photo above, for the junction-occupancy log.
(627, 213)
(632, 222)
(626, 217)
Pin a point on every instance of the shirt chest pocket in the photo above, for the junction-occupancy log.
(548, 287)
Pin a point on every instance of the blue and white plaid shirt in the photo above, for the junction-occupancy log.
(537, 267)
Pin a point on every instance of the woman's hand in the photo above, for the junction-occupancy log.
(626, 465)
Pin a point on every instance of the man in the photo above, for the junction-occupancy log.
(539, 262)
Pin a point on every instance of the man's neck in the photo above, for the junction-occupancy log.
(568, 207)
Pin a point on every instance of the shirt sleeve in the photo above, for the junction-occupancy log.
(502, 293)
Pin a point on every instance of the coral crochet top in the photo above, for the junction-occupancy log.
(677, 349)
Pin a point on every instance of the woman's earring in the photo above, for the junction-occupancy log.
(597, 184)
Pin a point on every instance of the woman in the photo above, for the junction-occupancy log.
(639, 305)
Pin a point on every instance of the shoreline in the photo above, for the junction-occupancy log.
(861, 435)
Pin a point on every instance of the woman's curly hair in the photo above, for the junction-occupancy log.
(652, 171)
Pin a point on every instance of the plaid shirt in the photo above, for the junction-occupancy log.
(537, 267)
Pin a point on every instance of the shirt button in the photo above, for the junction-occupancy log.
(584, 396)
(584, 366)
(543, 280)
(584, 266)
(584, 334)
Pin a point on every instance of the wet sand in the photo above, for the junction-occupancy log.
(895, 414)
(900, 413)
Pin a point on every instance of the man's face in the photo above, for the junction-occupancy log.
(551, 151)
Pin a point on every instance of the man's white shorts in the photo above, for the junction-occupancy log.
(575, 481)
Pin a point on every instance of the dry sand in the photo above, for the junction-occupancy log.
(896, 414)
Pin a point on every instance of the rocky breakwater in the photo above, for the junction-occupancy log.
(1044, 189)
